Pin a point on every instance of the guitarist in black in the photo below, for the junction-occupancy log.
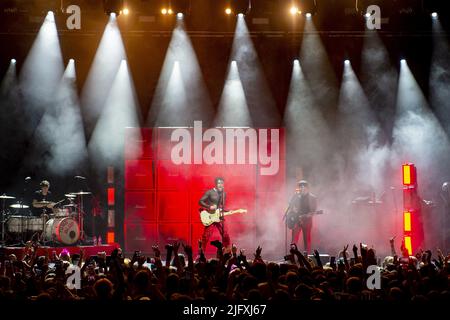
(212, 199)
(302, 204)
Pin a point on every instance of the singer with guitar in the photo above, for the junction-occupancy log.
(213, 211)
(303, 206)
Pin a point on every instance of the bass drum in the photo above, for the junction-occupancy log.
(62, 230)
(16, 224)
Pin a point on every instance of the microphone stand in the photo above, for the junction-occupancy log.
(81, 212)
(286, 225)
(3, 221)
(396, 208)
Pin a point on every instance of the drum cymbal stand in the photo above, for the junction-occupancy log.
(3, 241)
(81, 218)
(41, 237)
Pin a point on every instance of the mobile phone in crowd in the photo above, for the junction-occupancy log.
(332, 260)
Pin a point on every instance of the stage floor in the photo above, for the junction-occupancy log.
(43, 250)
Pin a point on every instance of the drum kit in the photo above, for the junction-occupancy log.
(64, 226)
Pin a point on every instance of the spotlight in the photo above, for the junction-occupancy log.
(126, 11)
(175, 7)
(296, 62)
(228, 11)
(309, 7)
(434, 15)
(233, 63)
(240, 15)
(13, 61)
(179, 15)
(239, 6)
(367, 15)
(50, 16)
(71, 61)
(113, 6)
(347, 62)
(293, 10)
(403, 61)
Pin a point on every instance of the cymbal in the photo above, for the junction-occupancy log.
(4, 196)
(44, 203)
(69, 205)
(19, 206)
(70, 195)
(80, 193)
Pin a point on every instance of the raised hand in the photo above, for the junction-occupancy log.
(156, 251)
(345, 248)
(258, 252)
(234, 250)
(391, 240)
(294, 249)
(188, 249)
(176, 246)
(242, 254)
(344, 252)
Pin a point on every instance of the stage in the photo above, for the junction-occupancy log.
(44, 250)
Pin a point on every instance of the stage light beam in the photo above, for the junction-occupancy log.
(181, 88)
(107, 60)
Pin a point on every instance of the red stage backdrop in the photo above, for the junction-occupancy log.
(168, 169)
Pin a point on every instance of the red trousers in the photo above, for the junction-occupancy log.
(208, 231)
(305, 228)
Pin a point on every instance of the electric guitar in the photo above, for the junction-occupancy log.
(208, 218)
(292, 218)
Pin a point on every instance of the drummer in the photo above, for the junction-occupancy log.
(43, 200)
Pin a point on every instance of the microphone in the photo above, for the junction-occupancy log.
(80, 177)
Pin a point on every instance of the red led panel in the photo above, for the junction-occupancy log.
(139, 175)
(110, 237)
(172, 176)
(139, 143)
(111, 196)
(409, 174)
(173, 206)
(273, 183)
(170, 232)
(140, 206)
(140, 236)
(202, 176)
